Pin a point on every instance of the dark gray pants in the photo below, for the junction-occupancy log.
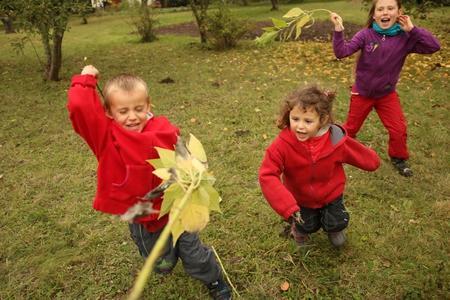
(333, 217)
(198, 260)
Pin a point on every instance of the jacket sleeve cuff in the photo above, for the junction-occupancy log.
(84, 80)
(288, 212)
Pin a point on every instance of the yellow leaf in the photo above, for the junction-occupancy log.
(199, 166)
(156, 163)
(295, 12)
(194, 217)
(305, 19)
(183, 164)
(177, 230)
(162, 173)
(196, 148)
(167, 157)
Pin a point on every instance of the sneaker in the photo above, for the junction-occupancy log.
(219, 290)
(402, 166)
(337, 238)
(300, 238)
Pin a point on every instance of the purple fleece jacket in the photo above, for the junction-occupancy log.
(382, 57)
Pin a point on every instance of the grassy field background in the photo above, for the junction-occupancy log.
(55, 246)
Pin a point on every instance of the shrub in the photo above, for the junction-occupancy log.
(224, 29)
(145, 24)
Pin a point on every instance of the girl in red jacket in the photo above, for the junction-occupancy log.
(302, 175)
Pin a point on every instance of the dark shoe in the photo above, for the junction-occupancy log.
(401, 166)
(219, 290)
(337, 238)
(300, 238)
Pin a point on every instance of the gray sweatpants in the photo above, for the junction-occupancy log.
(198, 260)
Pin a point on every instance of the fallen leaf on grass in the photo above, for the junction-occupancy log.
(284, 286)
(394, 208)
(193, 120)
(412, 221)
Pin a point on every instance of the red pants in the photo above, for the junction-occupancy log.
(390, 112)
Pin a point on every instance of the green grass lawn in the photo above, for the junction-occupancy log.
(55, 246)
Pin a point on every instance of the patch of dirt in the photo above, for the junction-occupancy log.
(320, 31)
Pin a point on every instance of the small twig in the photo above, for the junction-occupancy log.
(100, 91)
(225, 272)
(35, 52)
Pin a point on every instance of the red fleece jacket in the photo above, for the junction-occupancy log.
(312, 171)
(123, 174)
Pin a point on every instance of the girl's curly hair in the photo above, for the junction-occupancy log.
(305, 97)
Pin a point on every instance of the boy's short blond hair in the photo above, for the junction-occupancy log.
(124, 82)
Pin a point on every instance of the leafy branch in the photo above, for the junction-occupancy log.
(189, 195)
(291, 27)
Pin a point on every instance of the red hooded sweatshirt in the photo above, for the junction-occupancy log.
(312, 171)
(123, 175)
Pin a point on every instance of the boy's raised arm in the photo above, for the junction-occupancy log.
(86, 110)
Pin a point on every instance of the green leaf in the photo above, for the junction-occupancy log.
(209, 178)
(278, 23)
(196, 148)
(173, 192)
(213, 196)
(200, 198)
(293, 13)
(162, 173)
(269, 29)
(266, 38)
(156, 163)
(167, 157)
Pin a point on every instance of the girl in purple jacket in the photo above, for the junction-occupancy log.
(384, 44)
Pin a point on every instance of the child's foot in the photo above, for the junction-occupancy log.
(300, 238)
(337, 238)
(219, 290)
(401, 166)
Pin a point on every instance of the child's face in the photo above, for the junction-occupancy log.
(129, 108)
(386, 13)
(304, 123)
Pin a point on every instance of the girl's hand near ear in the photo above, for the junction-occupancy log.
(90, 70)
(337, 21)
(405, 23)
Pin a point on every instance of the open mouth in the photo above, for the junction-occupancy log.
(385, 21)
(132, 126)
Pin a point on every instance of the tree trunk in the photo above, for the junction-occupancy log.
(274, 4)
(8, 24)
(56, 61)
(245, 2)
(200, 13)
(44, 32)
(144, 3)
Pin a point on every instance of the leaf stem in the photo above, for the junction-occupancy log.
(225, 272)
(325, 10)
(162, 240)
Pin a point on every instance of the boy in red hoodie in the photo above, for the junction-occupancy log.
(123, 134)
(302, 175)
